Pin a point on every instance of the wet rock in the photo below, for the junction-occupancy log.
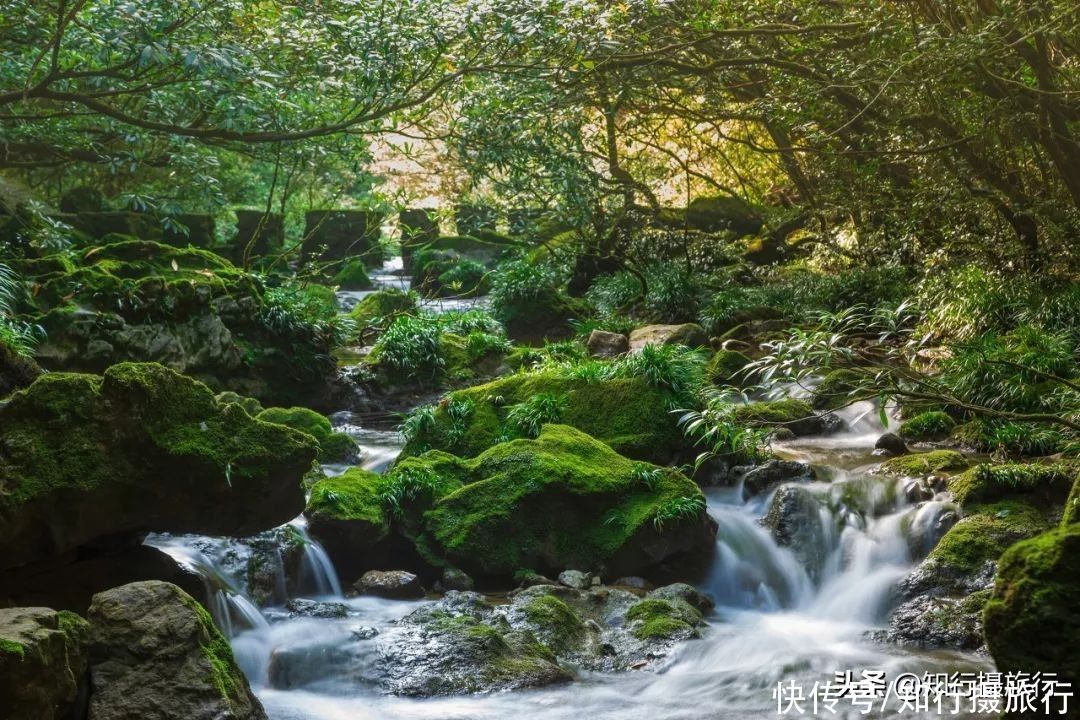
(528, 578)
(155, 655)
(916, 491)
(299, 663)
(454, 579)
(576, 579)
(458, 645)
(634, 583)
(795, 522)
(302, 607)
(763, 477)
(783, 434)
(603, 344)
(43, 662)
(891, 444)
(16, 371)
(689, 334)
(139, 449)
(796, 415)
(391, 584)
(687, 593)
(941, 607)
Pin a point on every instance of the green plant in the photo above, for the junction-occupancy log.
(418, 423)
(480, 344)
(675, 367)
(412, 485)
(676, 510)
(648, 476)
(716, 428)
(529, 416)
(411, 345)
(20, 337)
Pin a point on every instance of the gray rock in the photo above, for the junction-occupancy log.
(688, 594)
(603, 344)
(892, 444)
(634, 583)
(940, 607)
(392, 584)
(763, 477)
(299, 663)
(43, 661)
(454, 579)
(302, 607)
(689, 334)
(795, 521)
(156, 655)
(576, 579)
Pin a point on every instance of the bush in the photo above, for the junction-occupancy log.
(412, 345)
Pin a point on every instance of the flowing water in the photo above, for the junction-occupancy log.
(391, 276)
(776, 620)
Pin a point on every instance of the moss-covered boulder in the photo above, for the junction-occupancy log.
(155, 654)
(795, 415)
(688, 334)
(563, 500)
(723, 213)
(378, 308)
(352, 275)
(43, 663)
(925, 464)
(726, 367)
(189, 309)
(142, 448)
(334, 447)
(1030, 622)
(927, 426)
(629, 414)
(347, 514)
(1037, 484)
(837, 389)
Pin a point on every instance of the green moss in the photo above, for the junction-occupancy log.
(562, 500)
(986, 532)
(378, 306)
(1072, 505)
(334, 447)
(252, 405)
(559, 627)
(355, 495)
(352, 275)
(1048, 484)
(930, 425)
(1030, 622)
(655, 619)
(922, 464)
(628, 414)
(772, 412)
(725, 366)
(225, 674)
(10, 647)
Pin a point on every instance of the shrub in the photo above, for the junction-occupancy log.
(411, 345)
(528, 417)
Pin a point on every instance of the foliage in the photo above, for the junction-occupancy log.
(527, 417)
(21, 337)
(718, 429)
(411, 345)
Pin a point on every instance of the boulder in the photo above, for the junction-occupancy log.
(392, 584)
(795, 522)
(773, 472)
(561, 500)
(332, 235)
(925, 464)
(140, 449)
(454, 579)
(891, 444)
(43, 662)
(629, 414)
(927, 426)
(576, 579)
(1031, 623)
(689, 334)
(604, 344)
(334, 447)
(795, 415)
(258, 234)
(723, 213)
(83, 199)
(156, 655)
(346, 514)
(16, 371)
(726, 367)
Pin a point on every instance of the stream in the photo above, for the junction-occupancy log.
(775, 621)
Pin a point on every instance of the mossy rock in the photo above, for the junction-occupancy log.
(927, 426)
(16, 371)
(657, 619)
(252, 405)
(547, 317)
(925, 464)
(837, 389)
(334, 447)
(1042, 485)
(139, 449)
(791, 413)
(43, 662)
(556, 625)
(562, 500)
(1030, 622)
(347, 514)
(1071, 513)
(985, 533)
(725, 367)
(723, 213)
(378, 306)
(629, 414)
(352, 275)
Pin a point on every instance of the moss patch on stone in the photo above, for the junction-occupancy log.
(923, 464)
(654, 619)
(986, 532)
(352, 275)
(354, 496)
(1040, 484)
(378, 307)
(334, 447)
(725, 367)
(561, 500)
(926, 426)
(628, 414)
(1030, 621)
